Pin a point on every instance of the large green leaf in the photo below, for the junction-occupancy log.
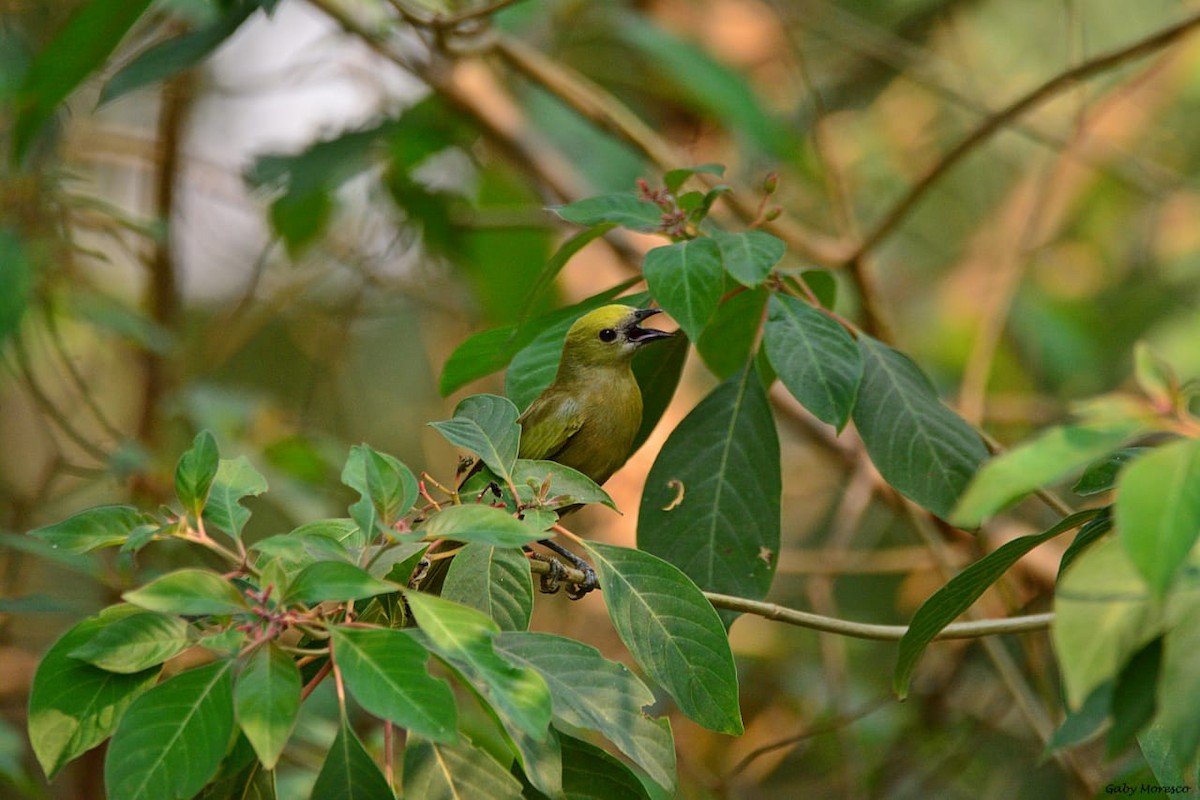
(1158, 510)
(172, 739)
(657, 370)
(1102, 616)
(16, 282)
(485, 424)
(266, 700)
(195, 472)
(731, 336)
(589, 692)
(336, 581)
(464, 637)
(673, 632)
(73, 706)
(387, 673)
(494, 580)
(589, 773)
(387, 488)
(711, 501)
(454, 772)
(189, 591)
(167, 59)
(1054, 454)
(815, 358)
(622, 209)
(564, 486)
(102, 526)
(961, 592)
(687, 280)
(349, 772)
(82, 46)
(1133, 696)
(482, 524)
(134, 643)
(749, 256)
(235, 480)
(1181, 678)
(921, 447)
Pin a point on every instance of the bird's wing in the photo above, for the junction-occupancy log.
(548, 424)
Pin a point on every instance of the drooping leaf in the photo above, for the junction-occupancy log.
(589, 692)
(102, 526)
(1050, 456)
(195, 473)
(673, 632)
(435, 771)
(349, 772)
(687, 280)
(235, 479)
(1158, 510)
(172, 739)
(82, 46)
(189, 591)
(921, 447)
(73, 706)
(485, 424)
(134, 643)
(167, 59)
(494, 580)
(749, 256)
(336, 581)
(266, 699)
(622, 209)
(961, 592)
(482, 524)
(711, 501)
(387, 673)
(815, 358)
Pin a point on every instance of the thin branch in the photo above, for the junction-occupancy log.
(48, 407)
(993, 124)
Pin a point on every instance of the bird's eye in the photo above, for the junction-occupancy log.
(608, 335)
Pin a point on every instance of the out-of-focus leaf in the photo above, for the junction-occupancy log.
(82, 46)
(1158, 510)
(1101, 476)
(1133, 697)
(565, 252)
(15, 282)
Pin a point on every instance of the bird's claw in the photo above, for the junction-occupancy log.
(578, 590)
(551, 580)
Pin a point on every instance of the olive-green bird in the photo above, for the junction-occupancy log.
(588, 417)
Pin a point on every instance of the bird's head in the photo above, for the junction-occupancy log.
(609, 335)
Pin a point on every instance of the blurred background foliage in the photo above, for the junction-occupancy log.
(286, 241)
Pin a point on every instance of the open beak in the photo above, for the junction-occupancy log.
(639, 335)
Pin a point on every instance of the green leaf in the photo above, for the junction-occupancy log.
(921, 447)
(195, 473)
(189, 591)
(749, 256)
(16, 282)
(1101, 476)
(134, 643)
(1158, 510)
(566, 486)
(296, 550)
(241, 777)
(300, 217)
(1052, 455)
(1155, 377)
(452, 772)
(167, 59)
(815, 358)
(589, 773)
(336, 581)
(675, 178)
(1133, 702)
(349, 772)
(387, 672)
(1180, 679)
(172, 739)
(482, 354)
(464, 636)
(622, 209)
(74, 706)
(1081, 725)
(687, 280)
(235, 479)
(266, 699)
(565, 252)
(1088, 534)
(482, 524)
(102, 526)
(494, 580)
(728, 341)
(711, 501)
(673, 632)
(1102, 616)
(1170, 768)
(391, 486)
(961, 592)
(589, 692)
(657, 370)
(82, 46)
(485, 424)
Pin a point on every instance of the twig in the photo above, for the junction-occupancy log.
(993, 124)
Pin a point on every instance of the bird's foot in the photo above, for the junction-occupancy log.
(551, 580)
(589, 582)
